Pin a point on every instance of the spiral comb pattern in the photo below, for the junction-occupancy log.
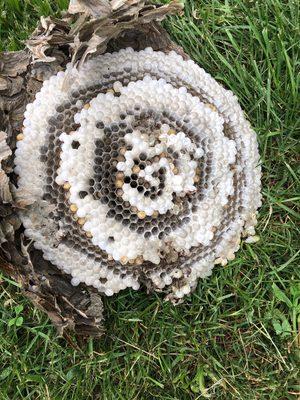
(142, 169)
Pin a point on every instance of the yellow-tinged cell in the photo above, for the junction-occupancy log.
(124, 260)
(66, 186)
(155, 214)
(73, 208)
(139, 260)
(119, 183)
(211, 106)
(141, 214)
(136, 169)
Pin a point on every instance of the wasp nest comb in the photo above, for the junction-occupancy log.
(142, 169)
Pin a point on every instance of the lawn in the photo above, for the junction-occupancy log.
(237, 336)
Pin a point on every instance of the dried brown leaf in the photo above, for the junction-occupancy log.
(94, 24)
(5, 152)
(13, 63)
(5, 194)
(96, 8)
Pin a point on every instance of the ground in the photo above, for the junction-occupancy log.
(236, 336)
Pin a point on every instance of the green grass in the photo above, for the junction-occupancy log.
(236, 336)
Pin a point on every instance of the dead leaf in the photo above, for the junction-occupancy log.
(95, 8)
(91, 24)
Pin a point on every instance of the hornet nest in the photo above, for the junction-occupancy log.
(124, 163)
